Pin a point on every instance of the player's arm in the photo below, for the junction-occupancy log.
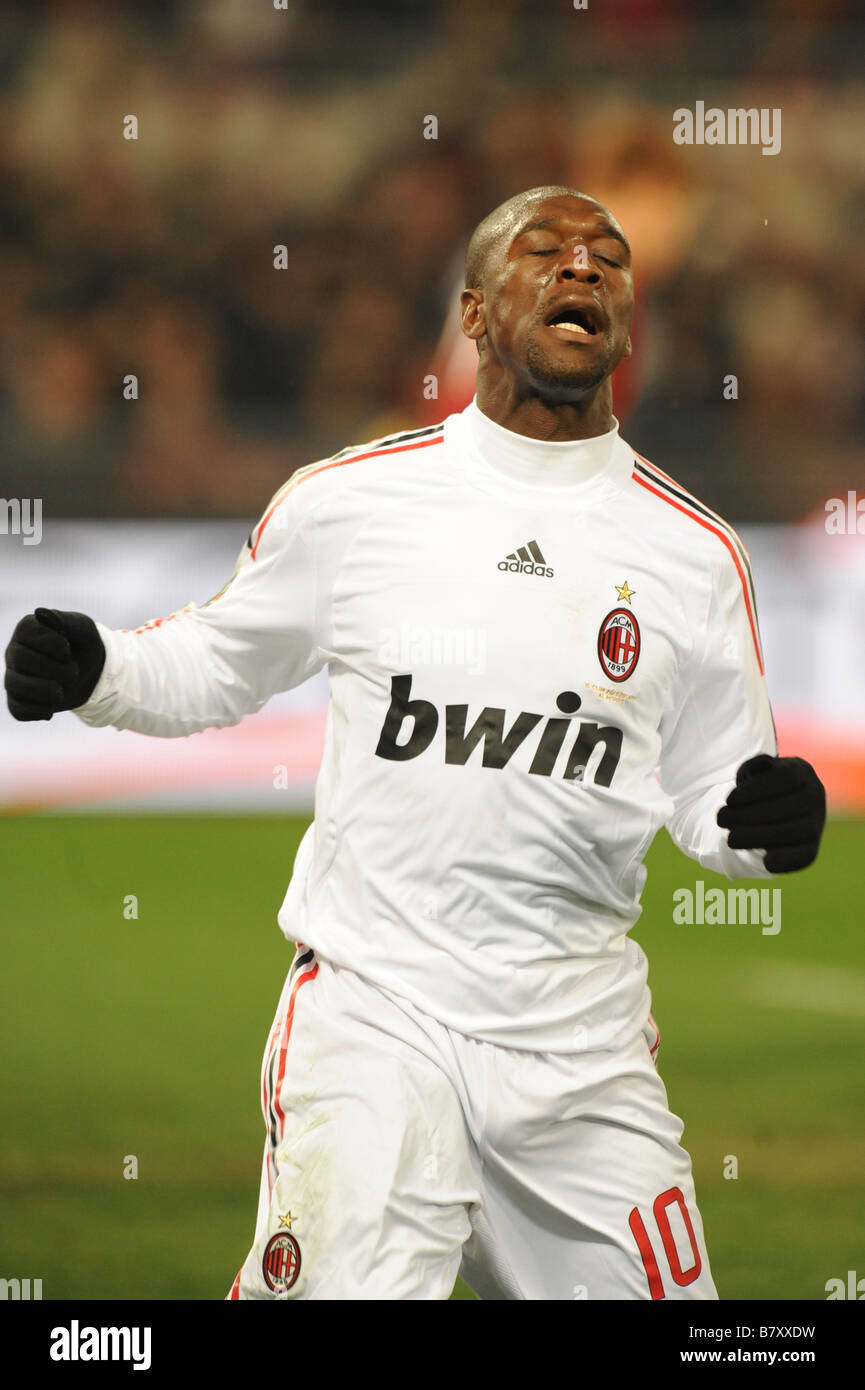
(738, 808)
(200, 667)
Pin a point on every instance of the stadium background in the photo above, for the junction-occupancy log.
(305, 127)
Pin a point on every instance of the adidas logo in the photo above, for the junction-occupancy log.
(527, 560)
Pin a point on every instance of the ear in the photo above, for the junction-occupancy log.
(472, 319)
(628, 348)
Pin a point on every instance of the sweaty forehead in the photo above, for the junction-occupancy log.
(550, 211)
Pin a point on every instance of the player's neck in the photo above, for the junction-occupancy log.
(552, 421)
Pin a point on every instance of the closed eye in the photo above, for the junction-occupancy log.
(551, 251)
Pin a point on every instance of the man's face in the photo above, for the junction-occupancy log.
(557, 297)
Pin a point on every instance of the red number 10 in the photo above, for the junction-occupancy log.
(682, 1277)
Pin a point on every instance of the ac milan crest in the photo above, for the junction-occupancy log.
(619, 644)
(281, 1263)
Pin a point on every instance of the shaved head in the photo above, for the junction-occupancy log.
(503, 220)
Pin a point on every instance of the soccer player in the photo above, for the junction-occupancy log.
(541, 649)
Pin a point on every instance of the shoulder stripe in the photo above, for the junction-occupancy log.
(664, 481)
(385, 442)
(338, 461)
(657, 475)
(655, 487)
(653, 472)
(404, 437)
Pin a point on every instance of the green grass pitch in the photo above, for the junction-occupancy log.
(144, 1037)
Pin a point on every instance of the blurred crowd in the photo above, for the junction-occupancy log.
(306, 126)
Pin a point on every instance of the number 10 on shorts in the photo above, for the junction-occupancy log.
(660, 1207)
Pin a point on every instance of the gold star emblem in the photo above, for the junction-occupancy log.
(286, 1220)
(624, 592)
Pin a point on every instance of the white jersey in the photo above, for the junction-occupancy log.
(539, 653)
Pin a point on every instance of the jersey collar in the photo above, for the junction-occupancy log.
(570, 467)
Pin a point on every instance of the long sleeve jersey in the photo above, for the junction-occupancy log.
(539, 653)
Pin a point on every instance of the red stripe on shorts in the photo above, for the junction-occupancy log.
(289, 1019)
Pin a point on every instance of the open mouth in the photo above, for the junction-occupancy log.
(580, 322)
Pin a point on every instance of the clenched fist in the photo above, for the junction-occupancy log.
(52, 663)
(779, 805)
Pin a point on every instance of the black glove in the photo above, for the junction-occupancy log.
(52, 663)
(777, 804)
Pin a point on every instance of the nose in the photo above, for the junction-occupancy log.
(576, 265)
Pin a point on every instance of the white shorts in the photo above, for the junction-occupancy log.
(400, 1154)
